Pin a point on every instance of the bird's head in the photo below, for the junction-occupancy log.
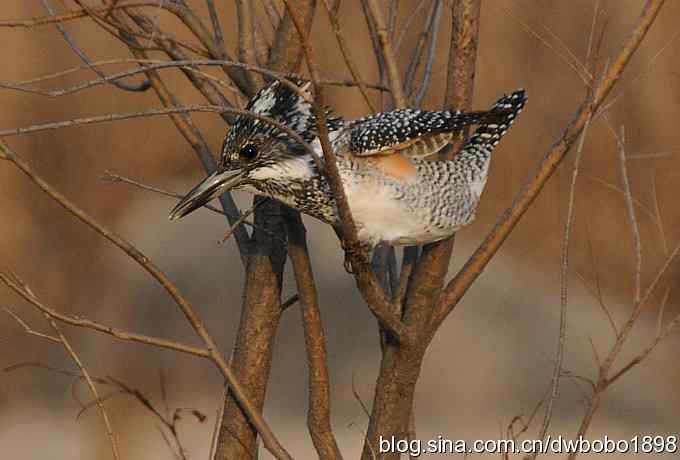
(255, 152)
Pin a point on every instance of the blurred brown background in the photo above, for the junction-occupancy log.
(493, 358)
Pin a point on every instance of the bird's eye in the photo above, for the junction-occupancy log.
(248, 152)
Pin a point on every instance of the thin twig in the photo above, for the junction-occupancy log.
(662, 310)
(28, 328)
(217, 28)
(261, 44)
(570, 53)
(616, 98)
(292, 300)
(418, 49)
(427, 73)
(113, 178)
(169, 420)
(105, 416)
(598, 288)
(604, 380)
(393, 11)
(407, 25)
(246, 50)
(375, 44)
(564, 292)
(129, 36)
(27, 292)
(650, 156)
(152, 112)
(657, 214)
(576, 66)
(77, 14)
(241, 220)
(140, 87)
(590, 53)
(392, 70)
(272, 13)
(155, 64)
(643, 207)
(518, 418)
(216, 427)
(346, 54)
(647, 351)
(408, 265)
(103, 328)
(596, 355)
(357, 396)
(206, 87)
(635, 314)
(352, 83)
(634, 227)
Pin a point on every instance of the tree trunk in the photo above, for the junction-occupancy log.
(260, 315)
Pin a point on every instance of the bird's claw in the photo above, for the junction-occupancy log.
(348, 264)
(349, 253)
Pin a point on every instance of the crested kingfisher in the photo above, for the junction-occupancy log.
(395, 195)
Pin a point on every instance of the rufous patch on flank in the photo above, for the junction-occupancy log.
(394, 165)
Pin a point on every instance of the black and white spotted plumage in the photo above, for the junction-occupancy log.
(478, 148)
(440, 198)
(407, 201)
(399, 130)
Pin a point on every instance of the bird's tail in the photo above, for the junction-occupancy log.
(475, 154)
(504, 111)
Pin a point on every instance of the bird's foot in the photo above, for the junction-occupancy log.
(351, 254)
(348, 264)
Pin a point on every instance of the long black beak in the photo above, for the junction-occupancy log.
(211, 187)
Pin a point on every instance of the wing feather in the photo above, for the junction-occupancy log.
(411, 132)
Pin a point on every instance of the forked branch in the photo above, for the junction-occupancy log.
(459, 285)
(368, 285)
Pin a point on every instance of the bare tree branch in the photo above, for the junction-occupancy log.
(476, 264)
(427, 73)
(393, 74)
(344, 49)
(401, 362)
(143, 86)
(368, 285)
(635, 229)
(217, 28)
(246, 41)
(99, 327)
(151, 112)
(268, 437)
(318, 412)
(27, 292)
(154, 64)
(286, 53)
(418, 50)
(28, 329)
(564, 295)
(604, 380)
(409, 22)
(81, 13)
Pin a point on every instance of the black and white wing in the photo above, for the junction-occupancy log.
(412, 132)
